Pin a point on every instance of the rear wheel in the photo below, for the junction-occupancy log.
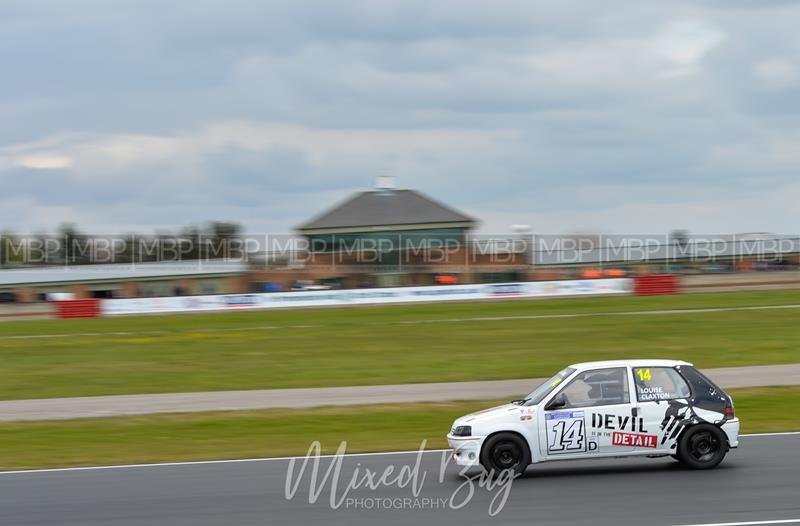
(702, 446)
(505, 451)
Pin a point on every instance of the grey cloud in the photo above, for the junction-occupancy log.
(585, 99)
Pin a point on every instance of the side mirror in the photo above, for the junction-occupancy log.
(557, 402)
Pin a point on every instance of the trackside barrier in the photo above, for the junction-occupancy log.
(89, 308)
(323, 298)
(652, 284)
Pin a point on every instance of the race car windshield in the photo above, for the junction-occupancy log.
(547, 387)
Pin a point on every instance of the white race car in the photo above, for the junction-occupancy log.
(604, 409)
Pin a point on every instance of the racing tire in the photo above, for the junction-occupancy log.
(702, 446)
(505, 451)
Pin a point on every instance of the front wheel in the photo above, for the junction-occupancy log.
(505, 451)
(702, 446)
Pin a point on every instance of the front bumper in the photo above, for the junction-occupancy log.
(466, 450)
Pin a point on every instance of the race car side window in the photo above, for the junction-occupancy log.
(705, 393)
(659, 383)
(597, 387)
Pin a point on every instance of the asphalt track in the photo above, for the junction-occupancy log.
(759, 482)
(125, 405)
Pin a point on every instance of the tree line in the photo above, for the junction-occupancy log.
(71, 246)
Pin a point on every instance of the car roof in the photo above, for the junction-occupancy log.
(633, 363)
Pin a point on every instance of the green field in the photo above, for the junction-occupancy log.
(249, 434)
(380, 345)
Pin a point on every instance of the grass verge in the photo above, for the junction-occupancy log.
(444, 342)
(249, 434)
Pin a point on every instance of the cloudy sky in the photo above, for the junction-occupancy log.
(613, 116)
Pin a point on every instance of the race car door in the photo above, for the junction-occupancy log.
(588, 415)
(661, 401)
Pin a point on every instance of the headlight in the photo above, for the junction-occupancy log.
(462, 431)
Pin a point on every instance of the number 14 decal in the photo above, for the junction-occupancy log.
(644, 374)
(567, 436)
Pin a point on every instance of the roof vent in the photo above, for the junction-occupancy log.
(384, 183)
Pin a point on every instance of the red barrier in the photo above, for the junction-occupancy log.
(656, 284)
(78, 308)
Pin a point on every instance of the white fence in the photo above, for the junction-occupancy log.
(365, 296)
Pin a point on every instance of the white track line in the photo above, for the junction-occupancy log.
(660, 312)
(270, 459)
(206, 462)
(601, 314)
(82, 334)
(770, 434)
(155, 333)
(749, 523)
